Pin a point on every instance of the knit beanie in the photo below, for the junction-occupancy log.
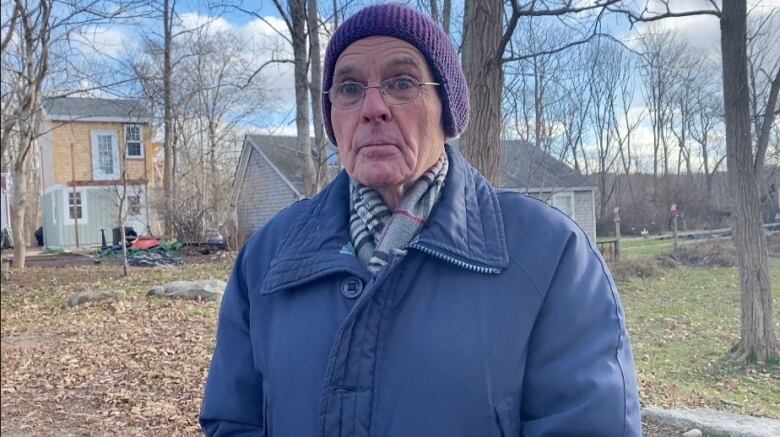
(402, 22)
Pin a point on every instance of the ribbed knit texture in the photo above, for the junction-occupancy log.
(402, 22)
(376, 231)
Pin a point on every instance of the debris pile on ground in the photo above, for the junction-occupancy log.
(146, 252)
(624, 270)
(702, 255)
(152, 259)
(206, 290)
(83, 297)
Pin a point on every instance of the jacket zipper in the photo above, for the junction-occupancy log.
(452, 260)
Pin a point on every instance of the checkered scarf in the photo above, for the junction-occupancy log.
(376, 231)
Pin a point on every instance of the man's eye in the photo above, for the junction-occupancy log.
(350, 89)
(400, 84)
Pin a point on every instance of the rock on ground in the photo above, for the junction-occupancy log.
(92, 296)
(207, 289)
(714, 423)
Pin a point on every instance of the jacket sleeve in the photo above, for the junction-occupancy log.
(233, 398)
(580, 377)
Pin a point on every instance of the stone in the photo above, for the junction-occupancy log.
(695, 432)
(83, 297)
(207, 289)
(713, 423)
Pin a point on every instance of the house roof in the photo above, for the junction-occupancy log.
(94, 109)
(525, 166)
(283, 153)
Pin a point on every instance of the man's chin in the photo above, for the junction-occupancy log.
(379, 178)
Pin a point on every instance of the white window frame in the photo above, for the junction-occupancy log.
(96, 173)
(140, 141)
(556, 197)
(66, 211)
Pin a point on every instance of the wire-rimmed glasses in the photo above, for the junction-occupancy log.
(396, 91)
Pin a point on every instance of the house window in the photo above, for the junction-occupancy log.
(74, 206)
(133, 143)
(105, 154)
(564, 201)
(134, 205)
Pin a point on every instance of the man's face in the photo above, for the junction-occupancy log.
(382, 145)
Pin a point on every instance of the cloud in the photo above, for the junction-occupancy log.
(193, 20)
(266, 40)
(107, 40)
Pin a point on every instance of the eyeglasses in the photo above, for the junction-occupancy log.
(396, 91)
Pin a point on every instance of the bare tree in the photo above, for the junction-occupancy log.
(36, 31)
(661, 53)
(745, 159)
(487, 31)
(315, 88)
(168, 175)
(295, 16)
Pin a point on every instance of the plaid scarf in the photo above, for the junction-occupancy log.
(376, 231)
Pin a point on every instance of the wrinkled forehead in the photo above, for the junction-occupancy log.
(384, 54)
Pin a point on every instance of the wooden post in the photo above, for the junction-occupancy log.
(73, 181)
(616, 213)
(675, 215)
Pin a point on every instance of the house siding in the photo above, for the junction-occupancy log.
(263, 193)
(47, 154)
(63, 134)
(583, 208)
(584, 213)
(100, 213)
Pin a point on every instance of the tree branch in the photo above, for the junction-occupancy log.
(766, 125)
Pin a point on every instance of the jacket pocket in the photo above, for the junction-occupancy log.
(507, 415)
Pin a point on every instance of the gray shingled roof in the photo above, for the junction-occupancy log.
(283, 153)
(89, 109)
(525, 166)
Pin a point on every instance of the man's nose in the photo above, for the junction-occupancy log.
(374, 107)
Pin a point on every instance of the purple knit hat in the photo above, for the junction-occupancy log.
(402, 22)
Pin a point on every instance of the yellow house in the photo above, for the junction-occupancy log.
(88, 146)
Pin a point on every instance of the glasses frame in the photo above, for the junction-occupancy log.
(382, 87)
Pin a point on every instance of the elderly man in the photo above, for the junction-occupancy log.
(410, 298)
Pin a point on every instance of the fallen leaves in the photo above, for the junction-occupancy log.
(132, 367)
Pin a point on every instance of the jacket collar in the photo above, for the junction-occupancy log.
(466, 224)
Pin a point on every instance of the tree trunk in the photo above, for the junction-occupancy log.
(301, 61)
(758, 337)
(315, 88)
(19, 203)
(446, 14)
(121, 217)
(168, 178)
(481, 141)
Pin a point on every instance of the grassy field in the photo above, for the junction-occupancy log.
(137, 366)
(682, 325)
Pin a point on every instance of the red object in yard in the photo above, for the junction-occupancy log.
(145, 243)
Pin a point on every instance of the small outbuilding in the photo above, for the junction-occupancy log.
(269, 178)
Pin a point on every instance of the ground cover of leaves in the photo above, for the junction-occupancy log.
(130, 367)
(137, 367)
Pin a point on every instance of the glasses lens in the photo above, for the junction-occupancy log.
(401, 89)
(347, 94)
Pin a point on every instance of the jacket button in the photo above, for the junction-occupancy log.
(351, 287)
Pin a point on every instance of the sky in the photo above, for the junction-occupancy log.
(702, 32)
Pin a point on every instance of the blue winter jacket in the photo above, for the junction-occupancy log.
(500, 320)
